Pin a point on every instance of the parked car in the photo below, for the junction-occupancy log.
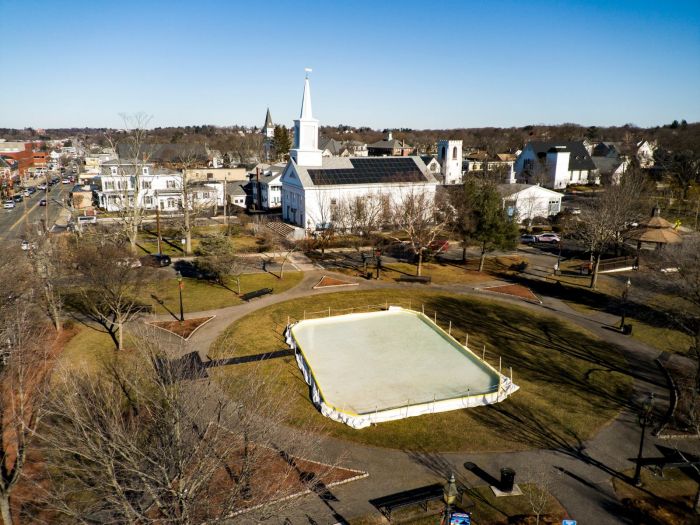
(42, 202)
(65, 181)
(528, 239)
(8, 204)
(87, 219)
(438, 246)
(156, 260)
(26, 245)
(41, 187)
(18, 198)
(548, 237)
(31, 189)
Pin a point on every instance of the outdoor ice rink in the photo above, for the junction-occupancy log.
(372, 362)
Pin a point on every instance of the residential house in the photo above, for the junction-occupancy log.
(555, 164)
(389, 147)
(266, 186)
(645, 153)
(239, 194)
(159, 187)
(216, 174)
(525, 202)
(314, 186)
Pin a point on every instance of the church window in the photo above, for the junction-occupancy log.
(454, 153)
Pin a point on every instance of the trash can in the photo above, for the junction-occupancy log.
(627, 329)
(507, 479)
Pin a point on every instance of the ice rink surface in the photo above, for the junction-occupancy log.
(376, 361)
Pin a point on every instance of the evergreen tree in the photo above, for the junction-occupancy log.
(480, 218)
(281, 142)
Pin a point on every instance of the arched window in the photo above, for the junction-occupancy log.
(444, 152)
(454, 153)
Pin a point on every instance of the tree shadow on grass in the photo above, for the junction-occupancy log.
(546, 351)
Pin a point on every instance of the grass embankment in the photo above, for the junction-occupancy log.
(441, 272)
(667, 499)
(199, 295)
(648, 313)
(571, 383)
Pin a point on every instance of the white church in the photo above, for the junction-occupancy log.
(312, 185)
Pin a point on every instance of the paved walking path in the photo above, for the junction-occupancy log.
(583, 474)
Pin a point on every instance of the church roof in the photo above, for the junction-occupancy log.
(365, 170)
(268, 120)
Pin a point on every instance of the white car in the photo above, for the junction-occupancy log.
(8, 204)
(548, 237)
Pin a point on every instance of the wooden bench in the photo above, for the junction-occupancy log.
(425, 279)
(419, 496)
(256, 293)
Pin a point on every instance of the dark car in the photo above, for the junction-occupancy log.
(42, 202)
(31, 189)
(528, 239)
(156, 260)
(18, 198)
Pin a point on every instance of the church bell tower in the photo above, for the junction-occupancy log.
(305, 151)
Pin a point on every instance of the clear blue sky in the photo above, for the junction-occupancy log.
(429, 64)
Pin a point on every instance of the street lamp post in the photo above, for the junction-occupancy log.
(449, 496)
(625, 294)
(644, 419)
(179, 287)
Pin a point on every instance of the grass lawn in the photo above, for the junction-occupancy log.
(87, 350)
(442, 273)
(659, 500)
(571, 383)
(199, 295)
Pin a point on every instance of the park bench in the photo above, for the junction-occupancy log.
(419, 496)
(425, 279)
(256, 293)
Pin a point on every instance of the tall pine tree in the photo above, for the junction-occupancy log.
(281, 142)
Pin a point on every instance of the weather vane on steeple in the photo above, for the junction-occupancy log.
(308, 70)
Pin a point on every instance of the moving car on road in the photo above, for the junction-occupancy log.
(42, 202)
(8, 204)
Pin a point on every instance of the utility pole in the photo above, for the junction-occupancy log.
(225, 203)
(158, 224)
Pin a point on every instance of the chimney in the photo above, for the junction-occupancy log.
(389, 136)
(258, 188)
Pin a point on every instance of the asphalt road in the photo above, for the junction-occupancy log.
(27, 215)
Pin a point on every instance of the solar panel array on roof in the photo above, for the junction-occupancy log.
(370, 171)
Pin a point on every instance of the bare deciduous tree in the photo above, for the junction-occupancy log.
(136, 444)
(362, 216)
(107, 288)
(537, 489)
(422, 217)
(219, 259)
(23, 374)
(131, 171)
(609, 214)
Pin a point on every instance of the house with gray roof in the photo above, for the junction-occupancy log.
(555, 164)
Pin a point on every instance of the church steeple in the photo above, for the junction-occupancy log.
(268, 128)
(305, 151)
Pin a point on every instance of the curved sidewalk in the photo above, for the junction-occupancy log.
(583, 483)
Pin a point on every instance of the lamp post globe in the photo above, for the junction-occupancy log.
(449, 495)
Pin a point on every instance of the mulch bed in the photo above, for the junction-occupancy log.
(327, 282)
(515, 290)
(182, 329)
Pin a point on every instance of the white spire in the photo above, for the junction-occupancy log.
(306, 112)
(305, 151)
